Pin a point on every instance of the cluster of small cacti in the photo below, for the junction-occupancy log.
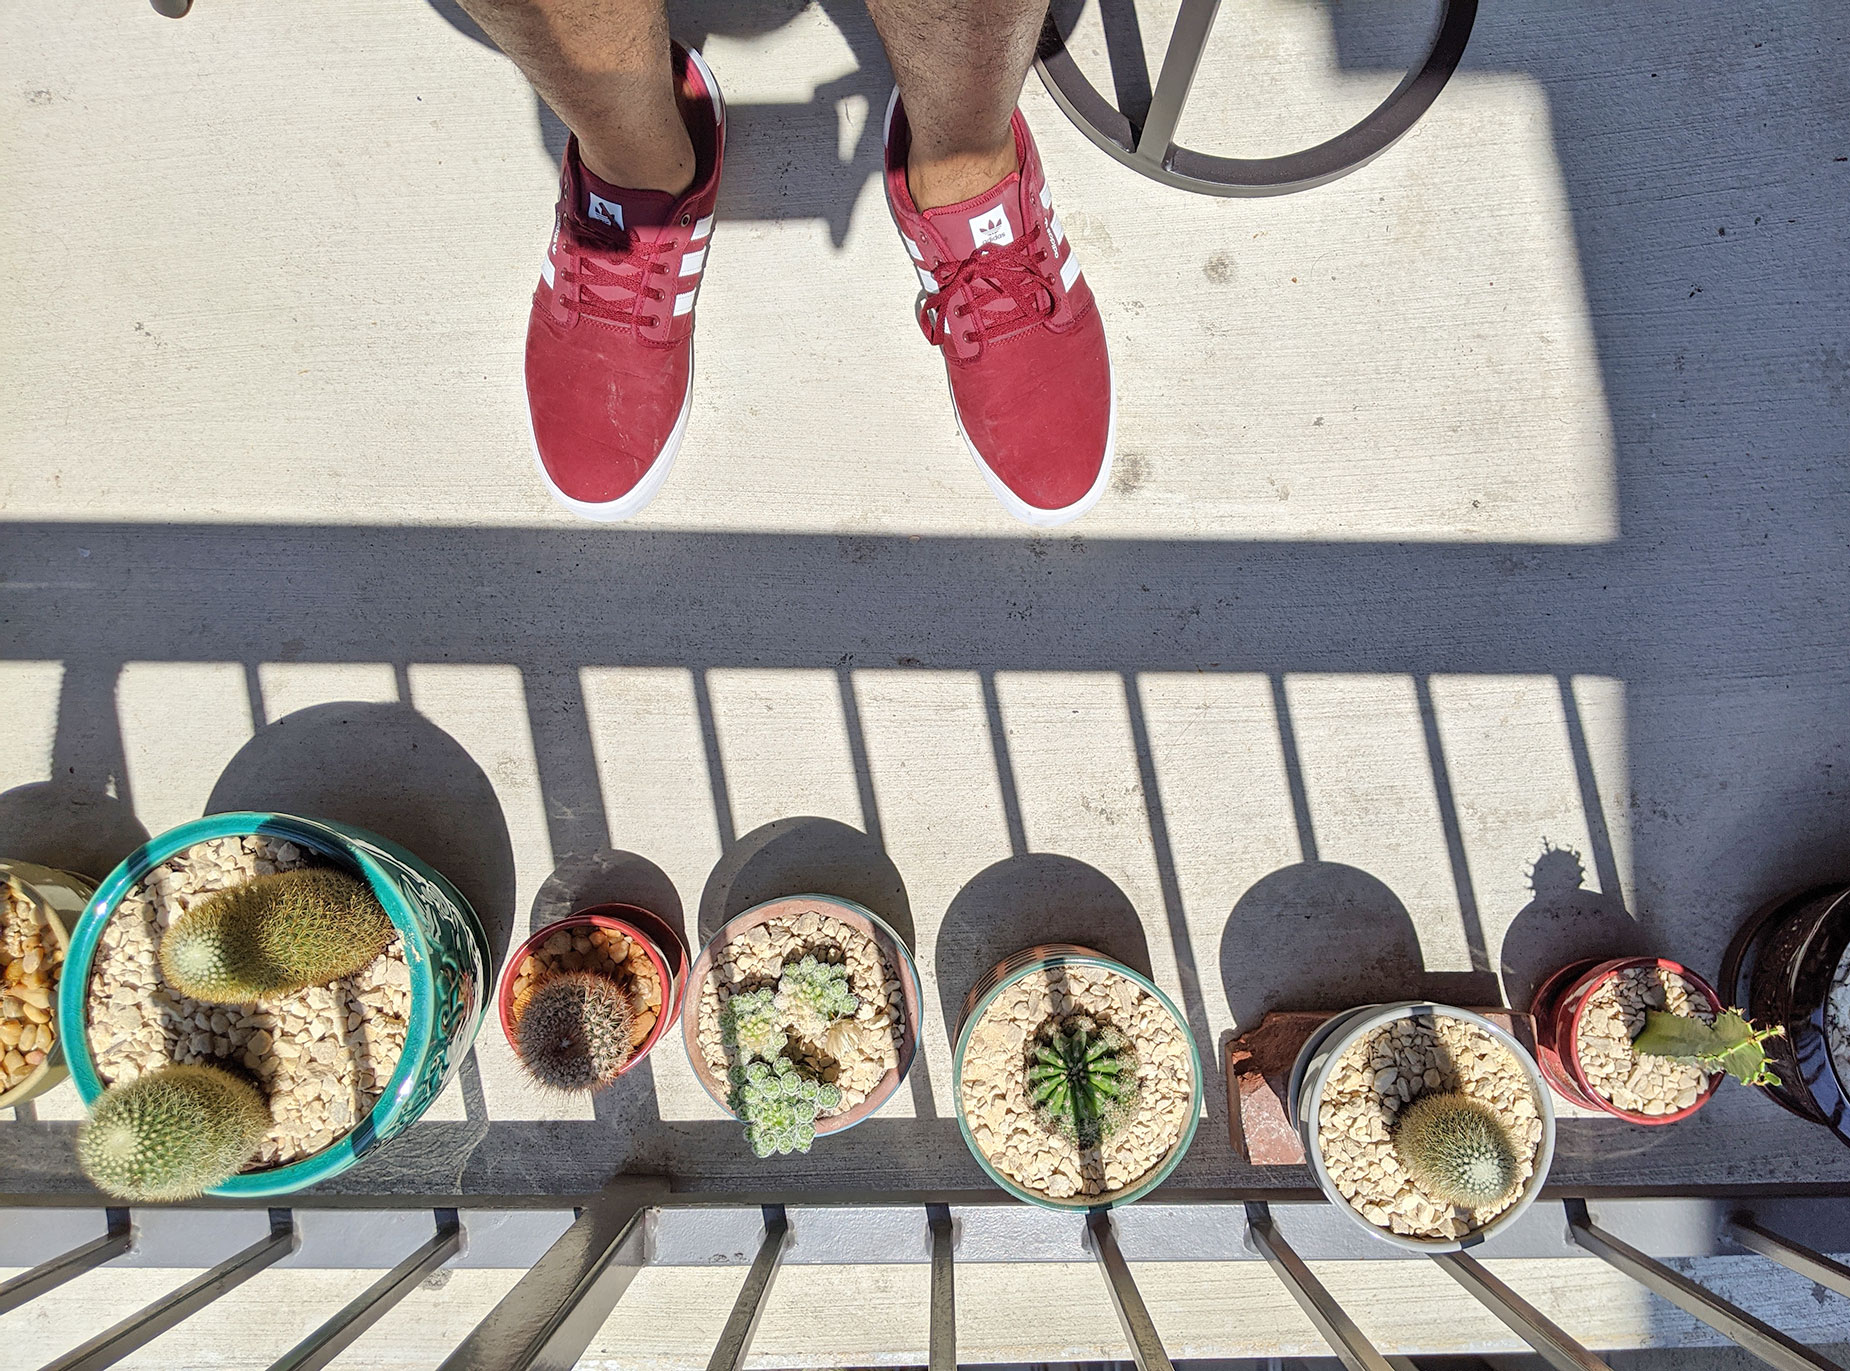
(1456, 1149)
(812, 995)
(1082, 1079)
(274, 935)
(573, 1031)
(1730, 1044)
(780, 1105)
(751, 1026)
(173, 1134)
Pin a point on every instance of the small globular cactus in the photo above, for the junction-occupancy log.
(812, 995)
(1730, 1044)
(173, 1134)
(1456, 1149)
(780, 1105)
(1082, 1079)
(274, 935)
(750, 1025)
(573, 1031)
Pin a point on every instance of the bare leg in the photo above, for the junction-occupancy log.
(960, 65)
(603, 65)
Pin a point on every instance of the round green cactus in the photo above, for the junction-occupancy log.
(750, 1025)
(1456, 1149)
(274, 935)
(173, 1134)
(573, 1031)
(780, 1105)
(1082, 1079)
(812, 995)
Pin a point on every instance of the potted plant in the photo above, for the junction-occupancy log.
(1637, 1037)
(1428, 1126)
(587, 997)
(37, 906)
(806, 1019)
(1077, 1081)
(310, 966)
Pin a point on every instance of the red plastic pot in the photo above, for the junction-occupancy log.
(1557, 1008)
(647, 930)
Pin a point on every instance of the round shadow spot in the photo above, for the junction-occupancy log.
(1039, 897)
(1565, 922)
(608, 876)
(388, 769)
(68, 826)
(805, 855)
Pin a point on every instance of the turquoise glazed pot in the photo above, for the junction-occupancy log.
(445, 947)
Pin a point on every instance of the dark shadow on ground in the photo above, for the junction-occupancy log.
(806, 855)
(607, 877)
(1565, 922)
(68, 826)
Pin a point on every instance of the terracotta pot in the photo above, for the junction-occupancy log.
(1557, 1008)
(1779, 968)
(647, 930)
(894, 951)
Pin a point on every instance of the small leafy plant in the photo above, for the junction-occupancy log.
(813, 995)
(573, 1033)
(779, 1105)
(1456, 1149)
(1082, 1079)
(751, 1025)
(274, 935)
(172, 1134)
(1730, 1044)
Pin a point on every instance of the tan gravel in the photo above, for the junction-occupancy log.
(995, 1084)
(29, 959)
(322, 1055)
(1383, 1072)
(1614, 1014)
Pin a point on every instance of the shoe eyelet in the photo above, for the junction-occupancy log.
(686, 219)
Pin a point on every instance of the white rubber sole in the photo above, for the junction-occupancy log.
(645, 490)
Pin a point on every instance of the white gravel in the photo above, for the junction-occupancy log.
(1614, 1014)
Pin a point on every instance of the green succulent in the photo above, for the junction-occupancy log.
(274, 935)
(750, 1025)
(1730, 1044)
(812, 995)
(780, 1105)
(1456, 1149)
(173, 1134)
(1082, 1079)
(573, 1031)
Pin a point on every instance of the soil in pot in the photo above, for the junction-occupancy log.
(1018, 1139)
(30, 955)
(1614, 1014)
(1370, 1087)
(602, 952)
(322, 1055)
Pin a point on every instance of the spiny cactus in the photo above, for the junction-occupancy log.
(1082, 1079)
(572, 1032)
(1730, 1044)
(813, 995)
(750, 1026)
(274, 935)
(779, 1105)
(173, 1134)
(1456, 1149)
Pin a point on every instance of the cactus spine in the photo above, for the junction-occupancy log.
(812, 995)
(779, 1105)
(750, 1026)
(274, 935)
(1082, 1079)
(573, 1032)
(173, 1134)
(1732, 1044)
(1456, 1149)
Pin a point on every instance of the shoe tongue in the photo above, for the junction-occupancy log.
(619, 208)
(992, 219)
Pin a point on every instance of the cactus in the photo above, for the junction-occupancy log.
(812, 995)
(274, 935)
(779, 1105)
(1730, 1044)
(1456, 1149)
(749, 1026)
(173, 1134)
(1082, 1079)
(573, 1031)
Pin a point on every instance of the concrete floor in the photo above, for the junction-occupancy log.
(1471, 593)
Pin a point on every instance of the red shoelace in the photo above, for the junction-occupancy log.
(1015, 273)
(639, 261)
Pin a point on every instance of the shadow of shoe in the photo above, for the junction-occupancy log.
(805, 855)
(1565, 922)
(388, 769)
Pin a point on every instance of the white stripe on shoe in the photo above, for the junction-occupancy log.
(690, 263)
(1059, 230)
(913, 248)
(1069, 269)
(684, 302)
(701, 230)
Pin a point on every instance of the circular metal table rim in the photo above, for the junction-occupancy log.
(1149, 147)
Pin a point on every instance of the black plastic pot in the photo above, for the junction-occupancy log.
(1779, 967)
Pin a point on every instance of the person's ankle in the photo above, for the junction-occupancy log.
(955, 177)
(669, 167)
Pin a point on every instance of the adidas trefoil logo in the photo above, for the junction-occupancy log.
(609, 211)
(992, 227)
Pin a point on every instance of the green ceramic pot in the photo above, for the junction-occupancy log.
(445, 947)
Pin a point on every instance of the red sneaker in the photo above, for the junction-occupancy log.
(610, 339)
(1022, 339)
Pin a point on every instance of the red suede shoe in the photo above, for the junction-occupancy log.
(610, 340)
(1021, 335)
